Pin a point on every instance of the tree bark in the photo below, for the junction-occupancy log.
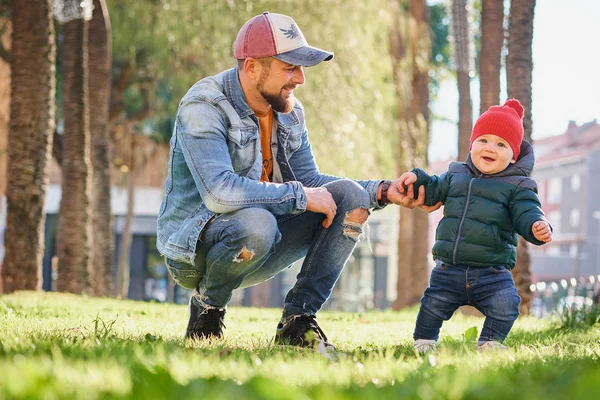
(519, 67)
(5, 40)
(74, 226)
(123, 266)
(421, 55)
(99, 47)
(492, 39)
(410, 47)
(463, 60)
(30, 140)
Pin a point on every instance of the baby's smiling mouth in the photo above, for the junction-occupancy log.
(488, 159)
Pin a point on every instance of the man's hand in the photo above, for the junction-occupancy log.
(406, 198)
(542, 232)
(319, 200)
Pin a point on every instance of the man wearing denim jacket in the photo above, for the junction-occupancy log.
(244, 197)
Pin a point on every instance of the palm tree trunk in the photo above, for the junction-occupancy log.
(99, 47)
(421, 55)
(519, 67)
(463, 60)
(492, 39)
(123, 266)
(74, 227)
(410, 47)
(401, 65)
(30, 140)
(5, 40)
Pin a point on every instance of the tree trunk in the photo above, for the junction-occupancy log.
(401, 65)
(99, 47)
(5, 40)
(30, 140)
(405, 257)
(463, 60)
(410, 47)
(492, 39)
(519, 67)
(123, 267)
(74, 226)
(519, 62)
(421, 55)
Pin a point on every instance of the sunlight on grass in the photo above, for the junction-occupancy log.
(58, 345)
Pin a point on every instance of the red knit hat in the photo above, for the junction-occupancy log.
(505, 121)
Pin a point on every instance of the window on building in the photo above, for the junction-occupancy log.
(554, 190)
(575, 182)
(575, 217)
(554, 219)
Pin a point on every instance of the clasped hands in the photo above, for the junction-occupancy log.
(402, 193)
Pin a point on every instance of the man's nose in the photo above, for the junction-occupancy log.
(299, 77)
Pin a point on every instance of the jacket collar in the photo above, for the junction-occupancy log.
(235, 93)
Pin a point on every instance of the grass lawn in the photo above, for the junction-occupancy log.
(65, 346)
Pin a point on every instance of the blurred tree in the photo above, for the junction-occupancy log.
(463, 60)
(74, 224)
(30, 139)
(519, 66)
(410, 48)
(100, 49)
(492, 40)
(421, 55)
(162, 47)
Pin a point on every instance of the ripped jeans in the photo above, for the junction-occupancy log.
(251, 245)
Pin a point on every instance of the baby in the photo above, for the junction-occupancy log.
(488, 199)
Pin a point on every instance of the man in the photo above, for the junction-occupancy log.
(244, 197)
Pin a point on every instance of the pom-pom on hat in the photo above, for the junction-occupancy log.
(505, 121)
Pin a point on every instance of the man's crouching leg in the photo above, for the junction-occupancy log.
(232, 247)
(323, 265)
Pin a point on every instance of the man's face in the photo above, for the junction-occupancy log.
(277, 83)
(491, 154)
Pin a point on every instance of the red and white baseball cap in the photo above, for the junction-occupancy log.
(278, 36)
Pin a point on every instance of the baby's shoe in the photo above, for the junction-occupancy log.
(490, 345)
(423, 346)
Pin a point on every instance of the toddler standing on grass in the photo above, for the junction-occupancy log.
(488, 199)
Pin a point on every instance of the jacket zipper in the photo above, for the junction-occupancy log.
(461, 222)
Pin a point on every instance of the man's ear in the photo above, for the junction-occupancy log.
(252, 68)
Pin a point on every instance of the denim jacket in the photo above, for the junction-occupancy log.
(215, 164)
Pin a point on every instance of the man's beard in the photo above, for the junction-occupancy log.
(277, 101)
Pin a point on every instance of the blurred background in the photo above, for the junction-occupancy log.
(89, 90)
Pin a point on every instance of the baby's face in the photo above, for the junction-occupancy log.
(491, 154)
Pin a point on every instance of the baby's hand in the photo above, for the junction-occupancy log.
(542, 232)
(406, 179)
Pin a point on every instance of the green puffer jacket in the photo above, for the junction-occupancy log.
(483, 213)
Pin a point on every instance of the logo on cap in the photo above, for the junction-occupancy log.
(291, 33)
